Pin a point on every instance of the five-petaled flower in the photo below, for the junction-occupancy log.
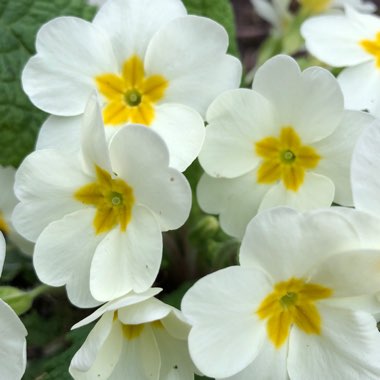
(286, 142)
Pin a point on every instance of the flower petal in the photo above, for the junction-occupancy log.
(131, 25)
(13, 344)
(63, 255)
(347, 348)
(183, 131)
(236, 120)
(315, 192)
(365, 171)
(130, 260)
(336, 152)
(71, 53)
(196, 67)
(227, 334)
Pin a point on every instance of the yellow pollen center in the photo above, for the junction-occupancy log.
(285, 159)
(112, 198)
(131, 96)
(292, 302)
(315, 6)
(3, 224)
(372, 47)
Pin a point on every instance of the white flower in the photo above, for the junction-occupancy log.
(97, 217)
(365, 171)
(319, 6)
(287, 142)
(149, 62)
(12, 336)
(137, 337)
(8, 201)
(352, 40)
(299, 305)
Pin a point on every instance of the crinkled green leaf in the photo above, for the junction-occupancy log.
(19, 22)
(221, 12)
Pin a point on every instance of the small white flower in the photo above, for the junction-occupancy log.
(352, 40)
(8, 201)
(137, 337)
(150, 62)
(97, 216)
(300, 304)
(287, 142)
(322, 6)
(12, 336)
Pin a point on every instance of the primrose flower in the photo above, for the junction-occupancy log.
(352, 40)
(287, 142)
(150, 63)
(12, 336)
(97, 216)
(8, 201)
(300, 304)
(137, 337)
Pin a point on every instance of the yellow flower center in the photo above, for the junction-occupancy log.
(372, 47)
(131, 332)
(315, 6)
(285, 158)
(3, 224)
(113, 199)
(292, 303)
(131, 96)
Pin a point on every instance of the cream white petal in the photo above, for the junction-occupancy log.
(183, 131)
(85, 357)
(63, 255)
(144, 312)
(311, 102)
(190, 52)
(104, 357)
(352, 273)
(13, 344)
(126, 300)
(269, 364)
(236, 119)
(94, 148)
(334, 39)
(131, 24)
(70, 53)
(127, 260)
(59, 132)
(360, 5)
(360, 86)
(139, 359)
(165, 191)
(175, 358)
(316, 191)
(226, 334)
(365, 170)
(314, 236)
(336, 152)
(176, 324)
(237, 200)
(45, 184)
(347, 348)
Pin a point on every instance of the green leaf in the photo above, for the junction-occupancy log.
(19, 300)
(221, 12)
(19, 23)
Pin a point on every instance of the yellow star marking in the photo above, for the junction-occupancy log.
(131, 96)
(285, 158)
(315, 6)
(372, 47)
(3, 224)
(113, 199)
(292, 303)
